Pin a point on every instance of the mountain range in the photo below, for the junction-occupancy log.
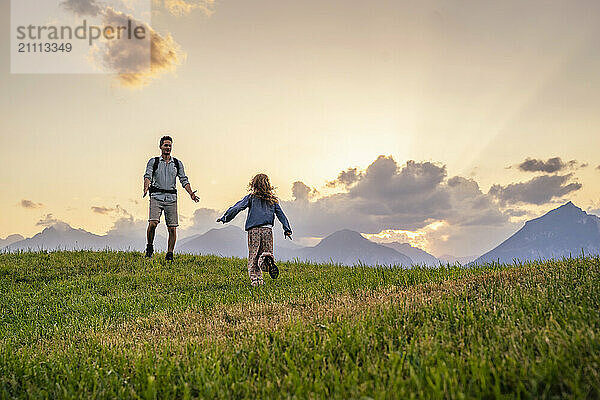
(10, 239)
(343, 247)
(62, 236)
(348, 247)
(229, 241)
(563, 232)
(418, 256)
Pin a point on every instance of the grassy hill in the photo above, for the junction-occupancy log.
(113, 325)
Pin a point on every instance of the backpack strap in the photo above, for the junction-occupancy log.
(155, 166)
(177, 165)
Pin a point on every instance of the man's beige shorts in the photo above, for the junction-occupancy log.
(170, 209)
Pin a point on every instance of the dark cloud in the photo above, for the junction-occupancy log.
(102, 210)
(138, 62)
(48, 220)
(539, 190)
(30, 204)
(470, 206)
(551, 165)
(389, 196)
(346, 178)
(303, 192)
(82, 7)
(384, 180)
(116, 210)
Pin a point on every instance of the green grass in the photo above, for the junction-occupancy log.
(114, 325)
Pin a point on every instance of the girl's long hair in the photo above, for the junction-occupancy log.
(260, 187)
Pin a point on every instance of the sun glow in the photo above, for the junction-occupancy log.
(419, 238)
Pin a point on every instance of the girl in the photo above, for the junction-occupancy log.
(262, 207)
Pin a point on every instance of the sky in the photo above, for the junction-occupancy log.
(443, 123)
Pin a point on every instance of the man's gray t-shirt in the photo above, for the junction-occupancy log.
(164, 178)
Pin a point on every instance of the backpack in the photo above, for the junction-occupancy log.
(154, 168)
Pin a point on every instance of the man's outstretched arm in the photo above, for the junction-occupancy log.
(185, 182)
(188, 188)
(146, 186)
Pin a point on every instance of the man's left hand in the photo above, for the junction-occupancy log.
(194, 197)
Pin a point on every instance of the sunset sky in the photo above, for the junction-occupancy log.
(468, 102)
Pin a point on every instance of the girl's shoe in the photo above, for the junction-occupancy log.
(266, 263)
(272, 268)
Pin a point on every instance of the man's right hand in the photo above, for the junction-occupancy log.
(146, 186)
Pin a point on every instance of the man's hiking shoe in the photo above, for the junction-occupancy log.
(169, 256)
(271, 267)
(149, 250)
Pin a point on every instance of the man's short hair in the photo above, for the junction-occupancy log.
(162, 139)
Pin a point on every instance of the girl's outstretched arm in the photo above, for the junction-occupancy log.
(282, 218)
(235, 209)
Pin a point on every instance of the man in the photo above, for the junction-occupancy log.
(159, 179)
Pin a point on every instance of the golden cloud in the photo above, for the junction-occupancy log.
(182, 7)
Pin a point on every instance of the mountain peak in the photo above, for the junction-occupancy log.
(344, 235)
(226, 229)
(349, 247)
(564, 231)
(568, 210)
(569, 205)
(58, 226)
(417, 255)
(14, 237)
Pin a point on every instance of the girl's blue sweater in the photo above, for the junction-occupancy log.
(260, 212)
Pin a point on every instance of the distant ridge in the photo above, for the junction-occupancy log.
(229, 242)
(10, 239)
(344, 247)
(348, 247)
(563, 232)
(452, 260)
(62, 236)
(418, 256)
